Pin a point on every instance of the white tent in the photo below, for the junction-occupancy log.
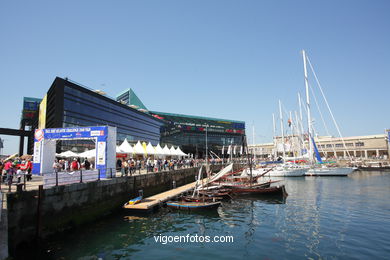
(138, 149)
(166, 150)
(125, 147)
(159, 150)
(68, 154)
(118, 149)
(88, 154)
(180, 152)
(150, 149)
(173, 151)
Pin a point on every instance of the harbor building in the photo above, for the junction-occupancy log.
(363, 147)
(70, 104)
(188, 131)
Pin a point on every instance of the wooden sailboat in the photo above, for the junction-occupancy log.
(259, 188)
(197, 201)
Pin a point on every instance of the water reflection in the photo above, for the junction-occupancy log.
(323, 217)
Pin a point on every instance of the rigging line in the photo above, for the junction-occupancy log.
(330, 111)
(300, 133)
(314, 130)
(322, 118)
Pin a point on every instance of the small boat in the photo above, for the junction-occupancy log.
(183, 205)
(133, 201)
(207, 197)
(273, 190)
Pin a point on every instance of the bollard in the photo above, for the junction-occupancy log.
(111, 172)
(174, 184)
(98, 174)
(56, 178)
(24, 181)
(81, 176)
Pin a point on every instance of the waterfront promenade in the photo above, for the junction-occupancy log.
(38, 180)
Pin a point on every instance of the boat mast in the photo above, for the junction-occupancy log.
(281, 127)
(207, 161)
(253, 142)
(308, 108)
(274, 137)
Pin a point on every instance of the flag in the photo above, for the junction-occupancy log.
(234, 150)
(229, 149)
(241, 149)
(223, 150)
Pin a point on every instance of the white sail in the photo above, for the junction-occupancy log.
(219, 175)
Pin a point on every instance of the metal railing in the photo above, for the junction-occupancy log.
(57, 178)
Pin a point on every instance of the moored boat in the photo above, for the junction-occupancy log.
(273, 190)
(185, 205)
(330, 171)
(133, 201)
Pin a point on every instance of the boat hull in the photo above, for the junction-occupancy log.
(287, 172)
(336, 171)
(275, 190)
(193, 205)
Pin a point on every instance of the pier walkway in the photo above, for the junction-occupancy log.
(155, 200)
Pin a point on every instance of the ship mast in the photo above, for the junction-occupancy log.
(309, 122)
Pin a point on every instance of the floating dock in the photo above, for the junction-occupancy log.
(151, 202)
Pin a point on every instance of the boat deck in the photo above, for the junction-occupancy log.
(155, 200)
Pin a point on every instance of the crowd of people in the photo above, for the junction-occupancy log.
(72, 165)
(131, 166)
(14, 169)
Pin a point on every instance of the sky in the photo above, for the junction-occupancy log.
(224, 59)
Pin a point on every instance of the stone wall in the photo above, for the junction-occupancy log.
(66, 207)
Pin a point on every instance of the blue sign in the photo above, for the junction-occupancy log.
(43, 148)
(74, 133)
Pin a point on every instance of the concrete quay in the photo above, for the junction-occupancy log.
(35, 214)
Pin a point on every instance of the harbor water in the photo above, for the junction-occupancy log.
(322, 218)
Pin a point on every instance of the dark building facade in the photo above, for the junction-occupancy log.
(189, 132)
(69, 105)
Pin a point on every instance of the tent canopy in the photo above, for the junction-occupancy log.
(150, 149)
(68, 154)
(88, 154)
(166, 150)
(159, 150)
(125, 147)
(138, 149)
(180, 152)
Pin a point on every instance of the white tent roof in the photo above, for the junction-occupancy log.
(68, 154)
(180, 152)
(150, 149)
(88, 154)
(118, 149)
(138, 149)
(173, 151)
(125, 147)
(159, 150)
(166, 150)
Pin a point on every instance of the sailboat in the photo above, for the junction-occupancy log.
(286, 169)
(315, 170)
(197, 201)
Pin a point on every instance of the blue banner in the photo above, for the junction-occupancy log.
(72, 133)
